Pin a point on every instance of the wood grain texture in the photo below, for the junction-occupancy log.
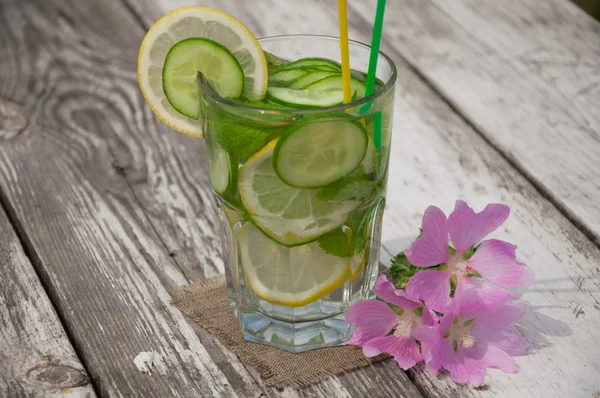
(438, 157)
(130, 201)
(36, 357)
(93, 245)
(133, 201)
(526, 75)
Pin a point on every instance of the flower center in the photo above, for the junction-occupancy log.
(467, 340)
(460, 334)
(405, 323)
(458, 265)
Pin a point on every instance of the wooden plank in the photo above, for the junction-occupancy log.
(417, 108)
(171, 184)
(526, 75)
(442, 158)
(267, 18)
(36, 357)
(137, 205)
(96, 250)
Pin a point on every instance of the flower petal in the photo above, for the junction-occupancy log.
(487, 293)
(429, 318)
(462, 367)
(495, 260)
(467, 227)
(438, 353)
(427, 334)
(471, 361)
(373, 318)
(432, 286)
(385, 290)
(432, 247)
(509, 342)
(495, 320)
(404, 349)
(496, 358)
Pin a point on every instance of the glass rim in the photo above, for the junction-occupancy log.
(341, 107)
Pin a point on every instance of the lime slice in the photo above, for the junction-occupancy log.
(192, 56)
(291, 216)
(196, 22)
(293, 276)
(320, 153)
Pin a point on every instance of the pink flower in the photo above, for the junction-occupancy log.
(471, 337)
(383, 328)
(494, 260)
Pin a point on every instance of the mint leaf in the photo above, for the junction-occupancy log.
(358, 221)
(239, 137)
(264, 103)
(337, 243)
(236, 139)
(357, 185)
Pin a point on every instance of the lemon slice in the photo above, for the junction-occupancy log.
(293, 276)
(357, 262)
(197, 22)
(291, 216)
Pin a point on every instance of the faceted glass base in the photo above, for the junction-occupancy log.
(314, 325)
(295, 337)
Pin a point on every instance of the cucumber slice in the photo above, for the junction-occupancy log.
(189, 57)
(322, 93)
(274, 61)
(319, 153)
(285, 77)
(314, 62)
(220, 166)
(310, 78)
(304, 98)
(223, 168)
(335, 83)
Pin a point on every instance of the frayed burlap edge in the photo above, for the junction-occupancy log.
(205, 302)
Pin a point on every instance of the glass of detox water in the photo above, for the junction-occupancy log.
(300, 181)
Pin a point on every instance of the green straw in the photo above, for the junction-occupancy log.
(371, 75)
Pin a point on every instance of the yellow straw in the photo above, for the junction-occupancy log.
(344, 48)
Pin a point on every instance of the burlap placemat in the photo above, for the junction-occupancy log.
(205, 302)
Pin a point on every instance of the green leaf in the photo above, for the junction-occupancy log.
(396, 309)
(356, 185)
(238, 137)
(402, 270)
(337, 243)
(468, 253)
(451, 250)
(418, 311)
(453, 283)
(358, 221)
(474, 274)
(264, 103)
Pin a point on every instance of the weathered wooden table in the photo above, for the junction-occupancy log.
(105, 211)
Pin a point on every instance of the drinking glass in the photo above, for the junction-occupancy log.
(293, 314)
